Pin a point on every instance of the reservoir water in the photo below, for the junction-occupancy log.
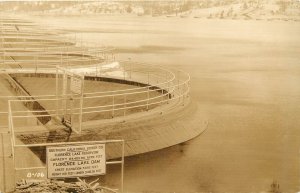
(245, 75)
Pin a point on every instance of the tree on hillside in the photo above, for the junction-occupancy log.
(129, 9)
(222, 14)
(282, 6)
(187, 5)
(245, 6)
(230, 11)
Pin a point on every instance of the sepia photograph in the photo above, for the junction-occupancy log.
(150, 96)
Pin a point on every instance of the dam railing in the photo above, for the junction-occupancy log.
(147, 87)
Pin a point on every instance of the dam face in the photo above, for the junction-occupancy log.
(58, 94)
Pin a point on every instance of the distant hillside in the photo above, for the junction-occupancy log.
(216, 9)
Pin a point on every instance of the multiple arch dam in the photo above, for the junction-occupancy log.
(55, 91)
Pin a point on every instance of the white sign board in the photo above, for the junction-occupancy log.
(76, 161)
(76, 84)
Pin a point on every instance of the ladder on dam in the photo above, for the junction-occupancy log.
(73, 88)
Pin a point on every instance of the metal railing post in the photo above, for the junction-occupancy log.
(183, 93)
(61, 57)
(122, 166)
(56, 89)
(65, 79)
(148, 88)
(113, 107)
(67, 57)
(129, 68)
(162, 96)
(3, 161)
(96, 65)
(35, 63)
(81, 104)
(12, 136)
(169, 94)
(178, 86)
(125, 101)
(124, 71)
